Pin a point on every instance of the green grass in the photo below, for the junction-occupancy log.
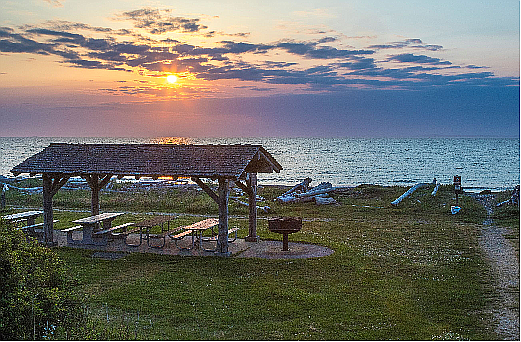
(408, 272)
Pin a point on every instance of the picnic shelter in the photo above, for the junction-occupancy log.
(98, 163)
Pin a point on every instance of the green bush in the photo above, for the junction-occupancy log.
(35, 297)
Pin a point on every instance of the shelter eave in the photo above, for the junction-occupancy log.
(262, 162)
(213, 175)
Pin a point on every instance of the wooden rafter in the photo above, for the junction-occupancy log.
(244, 187)
(206, 189)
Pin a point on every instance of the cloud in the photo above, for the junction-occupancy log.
(311, 50)
(157, 21)
(17, 43)
(319, 65)
(55, 3)
(422, 59)
(408, 43)
(260, 89)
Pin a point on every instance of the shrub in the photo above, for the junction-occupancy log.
(36, 301)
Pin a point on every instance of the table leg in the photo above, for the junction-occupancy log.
(88, 229)
(194, 234)
(285, 242)
(88, 239)
(140, 239)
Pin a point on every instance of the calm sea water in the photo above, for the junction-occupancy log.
(482, 163)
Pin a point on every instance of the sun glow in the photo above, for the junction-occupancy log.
(171, 78)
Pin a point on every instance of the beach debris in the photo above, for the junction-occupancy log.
(409, 192)
(514, 199)
(2, 196)
(436, 187)
(265, 208)
(36, 189)
(454, 209)
(303, 186)
(321, 200)
(302, 193)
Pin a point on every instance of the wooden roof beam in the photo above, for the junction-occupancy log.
(206, 189)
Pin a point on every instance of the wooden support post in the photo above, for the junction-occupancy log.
(94, 196)
(96, 185)
(222, 240)
(51, 185)
(47, 210)
(251, 181)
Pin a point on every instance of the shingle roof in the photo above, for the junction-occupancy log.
(229, 161)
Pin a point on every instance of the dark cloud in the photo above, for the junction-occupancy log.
(411, 43)
(157, 21)
(260, 89)
(358, 64)
(326, 40)
(48, 32)
(17, 43)
(411, 58)
(310, 50)
(472, 66)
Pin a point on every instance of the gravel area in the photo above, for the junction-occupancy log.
(273, 250)
(504, 264)
(263, 249)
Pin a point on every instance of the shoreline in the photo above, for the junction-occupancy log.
(77, 183)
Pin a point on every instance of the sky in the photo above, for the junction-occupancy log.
(229, 68)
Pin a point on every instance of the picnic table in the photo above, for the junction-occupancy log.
(194, 230)
(96, 229)
(197, 229)
(28, 218)
(144, 227)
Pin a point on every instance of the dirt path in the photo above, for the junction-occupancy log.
(504, 263)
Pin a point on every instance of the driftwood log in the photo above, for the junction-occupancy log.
(514, 199)
(300, 186)
(308, 195)
(265, 208)
(319, 200)
(433, 193)
(409, 192)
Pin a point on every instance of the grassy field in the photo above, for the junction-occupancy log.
(408, 272)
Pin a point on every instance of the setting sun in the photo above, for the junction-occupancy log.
(171, 78)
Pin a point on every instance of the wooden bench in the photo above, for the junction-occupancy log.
(37, 225)
(124, 235)
(216, 237)
(161, 235)
(178, 234)
(111, 229)
(69, 233)
(32, 231)
(70, 230)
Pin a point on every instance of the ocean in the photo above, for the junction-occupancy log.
(482, 163)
